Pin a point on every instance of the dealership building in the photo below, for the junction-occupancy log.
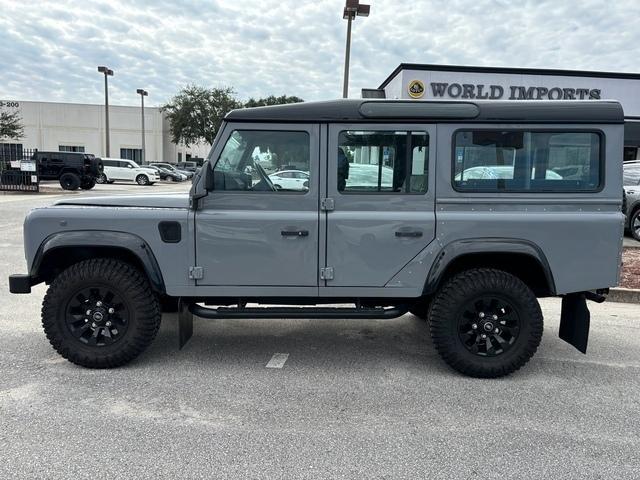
(449, 82)
(75, 127)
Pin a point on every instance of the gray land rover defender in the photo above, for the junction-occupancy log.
(463, 213)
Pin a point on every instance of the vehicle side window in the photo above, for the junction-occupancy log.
(382, 161)
(252, 159)
(496, 160)
(631, 175)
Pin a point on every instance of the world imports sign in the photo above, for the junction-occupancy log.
(497, 92)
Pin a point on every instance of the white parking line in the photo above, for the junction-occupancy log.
(278, 360)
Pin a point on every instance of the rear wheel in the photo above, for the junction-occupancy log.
(486, 323)
(69, 181)
(100, 313)
(634, 224)
(142, 180)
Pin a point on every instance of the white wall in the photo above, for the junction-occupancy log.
(49, 125)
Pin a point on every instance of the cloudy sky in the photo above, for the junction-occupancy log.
(49, 50)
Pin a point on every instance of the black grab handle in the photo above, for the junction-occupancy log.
(412, 234)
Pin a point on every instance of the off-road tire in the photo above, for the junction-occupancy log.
(448, 309)
(136, 294)
(635, 231)
(88, 184)
(142, 179)
(69, 181)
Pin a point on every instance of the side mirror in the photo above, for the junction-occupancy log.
(129, 165)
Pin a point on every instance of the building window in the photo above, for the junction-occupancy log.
(179, 157)
(134, 154)
(523, 161)
(71, 148)
(11, 150)
(382, 162)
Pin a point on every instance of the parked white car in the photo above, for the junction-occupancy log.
(290, 180)
(128, 170)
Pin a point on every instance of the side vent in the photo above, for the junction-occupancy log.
(170, 232)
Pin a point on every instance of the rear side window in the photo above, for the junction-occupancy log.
(527, 161)
(382, 161)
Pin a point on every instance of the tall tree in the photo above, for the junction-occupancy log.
(195, 113)
(11, 127)
(272, 100)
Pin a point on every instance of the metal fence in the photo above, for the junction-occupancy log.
(18, 172)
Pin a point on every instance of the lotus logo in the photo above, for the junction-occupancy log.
(416, 88)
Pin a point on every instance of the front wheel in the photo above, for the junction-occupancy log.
(100, 313)
(634, 224)
(486, 323)
(69, 181)
(102, 179)
(142, 180)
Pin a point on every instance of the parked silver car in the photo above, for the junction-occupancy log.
(631, 179)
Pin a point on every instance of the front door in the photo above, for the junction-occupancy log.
(248, 231)
(380, 178)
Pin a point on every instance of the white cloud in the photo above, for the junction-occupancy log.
(50, 50)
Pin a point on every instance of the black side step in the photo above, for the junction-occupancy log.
(298, 312)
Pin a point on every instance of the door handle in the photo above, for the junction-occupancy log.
(409, 233)
(294, 233)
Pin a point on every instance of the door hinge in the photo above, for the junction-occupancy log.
(196, 273)
(327, 204)
(326, 273)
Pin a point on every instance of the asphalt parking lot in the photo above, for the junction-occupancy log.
(353, 399)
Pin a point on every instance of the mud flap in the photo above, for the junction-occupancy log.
(185, 324)
(575, 320)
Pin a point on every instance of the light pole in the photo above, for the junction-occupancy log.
(107, 73)
(352, 9)
(143, 93)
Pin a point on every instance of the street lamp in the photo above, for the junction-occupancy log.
(107, 73)
(352, 9)
(142, 93)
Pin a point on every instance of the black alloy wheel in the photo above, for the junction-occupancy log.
(97, 315)
(489, 325)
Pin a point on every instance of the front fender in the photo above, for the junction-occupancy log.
(98, 239)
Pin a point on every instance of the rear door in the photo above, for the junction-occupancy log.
(381, 200)
(249, 233)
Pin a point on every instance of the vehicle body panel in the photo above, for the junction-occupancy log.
(239, 235)
(236, 237)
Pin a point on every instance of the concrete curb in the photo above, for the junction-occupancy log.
(624, 295)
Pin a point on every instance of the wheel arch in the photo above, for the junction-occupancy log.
(63, 249)
(520, 257)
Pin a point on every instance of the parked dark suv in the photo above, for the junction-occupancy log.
(72, 169)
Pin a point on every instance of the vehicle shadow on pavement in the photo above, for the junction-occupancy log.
(309, 343)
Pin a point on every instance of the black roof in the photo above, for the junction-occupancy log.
(487, 111)
(508, 70)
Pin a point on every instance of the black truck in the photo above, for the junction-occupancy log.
(72, 169)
